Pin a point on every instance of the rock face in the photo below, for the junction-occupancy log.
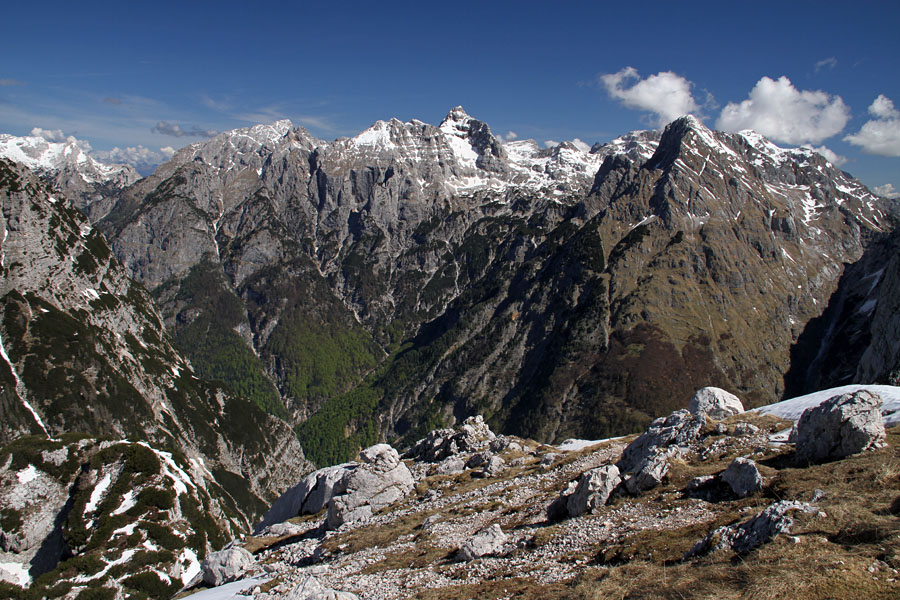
(715, 403)
(84, 349)
(486, 542)
(839, 427)
(664, 434)
(744, 537)
(92, 186)
(743, 477)
(856, 339)
(70, 508)
(593, 490)
(565, 293)
(226, 565)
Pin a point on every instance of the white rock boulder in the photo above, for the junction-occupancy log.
(715, 403)
(486, 542)
(841, 426)
(226, 565)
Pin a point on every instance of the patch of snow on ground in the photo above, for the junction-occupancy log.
(573, 445)
(97, 494)
(794, 407)
(27, 475)
(190, 565)
(17, 570)
(180, 479)
(229, 591)
(127, 502)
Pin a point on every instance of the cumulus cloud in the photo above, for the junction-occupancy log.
(509, 136)
(583, 146)
(826, 63)
(831, 156)
(51, 135)
(141, 158)
(666, 94)
(176, 130)
(880, 135)
(778, 110)
(550, 143)
(887, 190)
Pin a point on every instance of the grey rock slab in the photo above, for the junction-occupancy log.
(648, 474)
(840, 426)
(486, 542)
(746, 536)
(743, 477)
(368, 487)
(593, 490)
(225, 566)
(679, 430)
(715, 403)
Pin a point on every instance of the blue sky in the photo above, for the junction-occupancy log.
(163, 74)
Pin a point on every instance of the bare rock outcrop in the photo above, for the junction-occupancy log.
(678, 430)
(380, 480)
(746, 536)
(841, 426)
(473, 435)
(349, 491)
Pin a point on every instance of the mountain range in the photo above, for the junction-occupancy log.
(264, 287)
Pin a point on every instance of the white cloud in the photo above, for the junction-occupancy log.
(583, 146)
(176, 130)
(135, 156)
(550, 143)
(883, 108)
(666, 94)
(51, 135)
(826, 63)
(880, 135)
(778, 110)
(887, 190)
(831, 156)
(509, 136)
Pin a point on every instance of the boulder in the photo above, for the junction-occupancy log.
(451, 465)
(282, 530)
(648, 474)
(486, 542)
(676, 431)
(743, 477)
(226, 565)
(715, 403)
(840, 426)
(593, 489)
(379, 481)
(744, 537)
(479, 459)
(311, 588)
(494, 467)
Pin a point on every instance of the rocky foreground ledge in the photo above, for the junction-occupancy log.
(708, 502)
